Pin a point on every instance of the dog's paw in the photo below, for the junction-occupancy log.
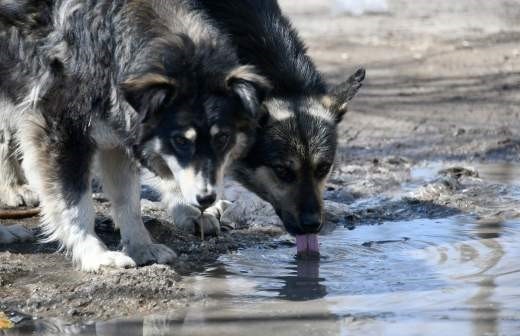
(29, 197)
(184, 217)
(14, 234)
(15, 196)
(111, 259)
(150, 253)
(207, 223)
(189, 219)
(217, 211)
(212, 219)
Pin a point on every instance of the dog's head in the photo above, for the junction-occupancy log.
(294, 154)
(195, 117)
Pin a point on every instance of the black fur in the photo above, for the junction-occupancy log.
(295, 146)
(265, 38)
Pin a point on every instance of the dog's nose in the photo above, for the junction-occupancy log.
(310, 222)
(206, 200)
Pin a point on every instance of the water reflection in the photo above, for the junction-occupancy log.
(506, 173)
(486, 311)
(306, 284)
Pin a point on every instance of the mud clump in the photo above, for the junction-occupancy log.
(458, 172)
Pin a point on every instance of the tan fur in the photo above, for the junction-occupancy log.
(148, 80)
(327, 101)
(279, 110)
(247, 73)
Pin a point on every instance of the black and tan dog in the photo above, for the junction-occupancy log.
(294, 150)
(112, 81)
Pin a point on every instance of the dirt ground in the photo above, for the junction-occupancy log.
(443, 85)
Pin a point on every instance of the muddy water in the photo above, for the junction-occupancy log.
(403, 278)
(457, 275)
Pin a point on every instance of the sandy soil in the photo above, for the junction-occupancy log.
(443, 85)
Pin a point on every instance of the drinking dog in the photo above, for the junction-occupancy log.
(293, 152)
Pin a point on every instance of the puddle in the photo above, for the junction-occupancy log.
(457, 275)
(400, 278)
(503, 173)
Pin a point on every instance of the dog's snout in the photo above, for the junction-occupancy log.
(206, 200)
(310, 222)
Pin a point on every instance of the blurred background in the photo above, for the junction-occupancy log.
(442, 76)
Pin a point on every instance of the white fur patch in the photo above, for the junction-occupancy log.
(73, 227)
(279, 110)
(191, 134)
(190, 183)
(317, 110)
(214, 130)
(186, 178)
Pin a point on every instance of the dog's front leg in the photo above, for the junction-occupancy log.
(121, 183)
(57, 163)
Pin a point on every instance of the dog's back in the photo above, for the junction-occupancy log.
(265, 38)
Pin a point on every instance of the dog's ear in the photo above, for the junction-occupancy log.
(338, 98)
(249, 87)
(148, 93)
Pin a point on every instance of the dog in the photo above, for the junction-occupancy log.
(288, 162)
(114, 82)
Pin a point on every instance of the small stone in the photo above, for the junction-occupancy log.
(459, 132)
(73, 312)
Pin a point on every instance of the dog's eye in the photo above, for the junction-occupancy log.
(284, 173)
(181, 142)
(222, 139)
(322, 170)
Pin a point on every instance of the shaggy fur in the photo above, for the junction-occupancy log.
(114, 81)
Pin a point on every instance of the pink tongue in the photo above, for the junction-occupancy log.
(307, 243)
